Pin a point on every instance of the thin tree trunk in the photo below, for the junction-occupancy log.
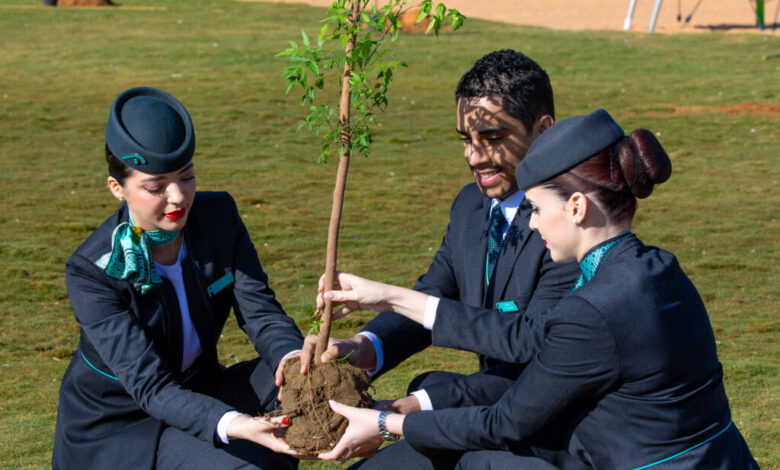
(338, 192)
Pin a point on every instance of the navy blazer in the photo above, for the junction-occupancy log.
(626, 365)
(124, 382)
(524, 274)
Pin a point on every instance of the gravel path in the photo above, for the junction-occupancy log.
(711, 15)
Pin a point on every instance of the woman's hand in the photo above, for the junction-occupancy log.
(361, 439)
(356, 293)
(353, 293)
(266, 432)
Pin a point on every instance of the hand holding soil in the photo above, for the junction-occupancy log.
(358, 350)
(405, 405)
(268, 432)
(361, 439)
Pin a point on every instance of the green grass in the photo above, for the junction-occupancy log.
(61, 68)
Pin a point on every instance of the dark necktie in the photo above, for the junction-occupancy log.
(495, 231)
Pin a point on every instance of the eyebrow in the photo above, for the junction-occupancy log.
(186, 167)
(490, 130)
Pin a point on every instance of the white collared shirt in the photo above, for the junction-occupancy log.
(509, 208)
(190, 341)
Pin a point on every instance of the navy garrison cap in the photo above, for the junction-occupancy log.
(565, 145)
(150, 130)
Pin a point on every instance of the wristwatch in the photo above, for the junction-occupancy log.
(383, 432)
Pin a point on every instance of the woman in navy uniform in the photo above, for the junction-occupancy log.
(624, 367)
(151, 290)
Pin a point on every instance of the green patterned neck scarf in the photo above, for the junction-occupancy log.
(590, 263)
(131, 255)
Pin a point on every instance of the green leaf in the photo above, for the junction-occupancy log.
(433, 25)
(315, 69)
(457, 21)
(342, 359)
(423, 14)
(321, 37)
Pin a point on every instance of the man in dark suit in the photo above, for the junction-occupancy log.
(488, 257)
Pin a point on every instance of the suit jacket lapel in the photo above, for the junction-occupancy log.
(516, 237)
(173, 328)
(474, 258)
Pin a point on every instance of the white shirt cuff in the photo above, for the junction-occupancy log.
(430, 312)
(424, 399)
(224, 423)
(380, 355)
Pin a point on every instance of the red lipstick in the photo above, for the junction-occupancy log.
(176, 215)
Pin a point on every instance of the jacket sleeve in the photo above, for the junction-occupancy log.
(554, 281)
(577, 362)
(401, 338)
(507, 337)
(481, 388)
(124, 347)
(259, 314)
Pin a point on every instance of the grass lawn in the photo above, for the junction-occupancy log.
(711, 98)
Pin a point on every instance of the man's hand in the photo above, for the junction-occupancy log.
(358, 350)
(403, 405)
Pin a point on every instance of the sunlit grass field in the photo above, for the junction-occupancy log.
(712, 99)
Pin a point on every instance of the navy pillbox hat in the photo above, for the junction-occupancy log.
(150, 130)
(565, 145)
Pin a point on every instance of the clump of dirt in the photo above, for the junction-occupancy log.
(84, 3)
(771, 111)
(314, 427)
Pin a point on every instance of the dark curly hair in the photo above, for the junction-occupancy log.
(523, 85)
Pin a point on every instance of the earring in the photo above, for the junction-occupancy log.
(574, 221)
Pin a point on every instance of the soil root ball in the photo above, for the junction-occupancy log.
(314, 427)
(84, 3)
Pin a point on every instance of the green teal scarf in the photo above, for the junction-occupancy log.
(590, 263)
(131, 256)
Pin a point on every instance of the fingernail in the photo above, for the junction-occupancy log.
(286, 421)
(331, 402)
(328, 295)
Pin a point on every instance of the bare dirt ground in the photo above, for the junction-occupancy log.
(709, 15)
